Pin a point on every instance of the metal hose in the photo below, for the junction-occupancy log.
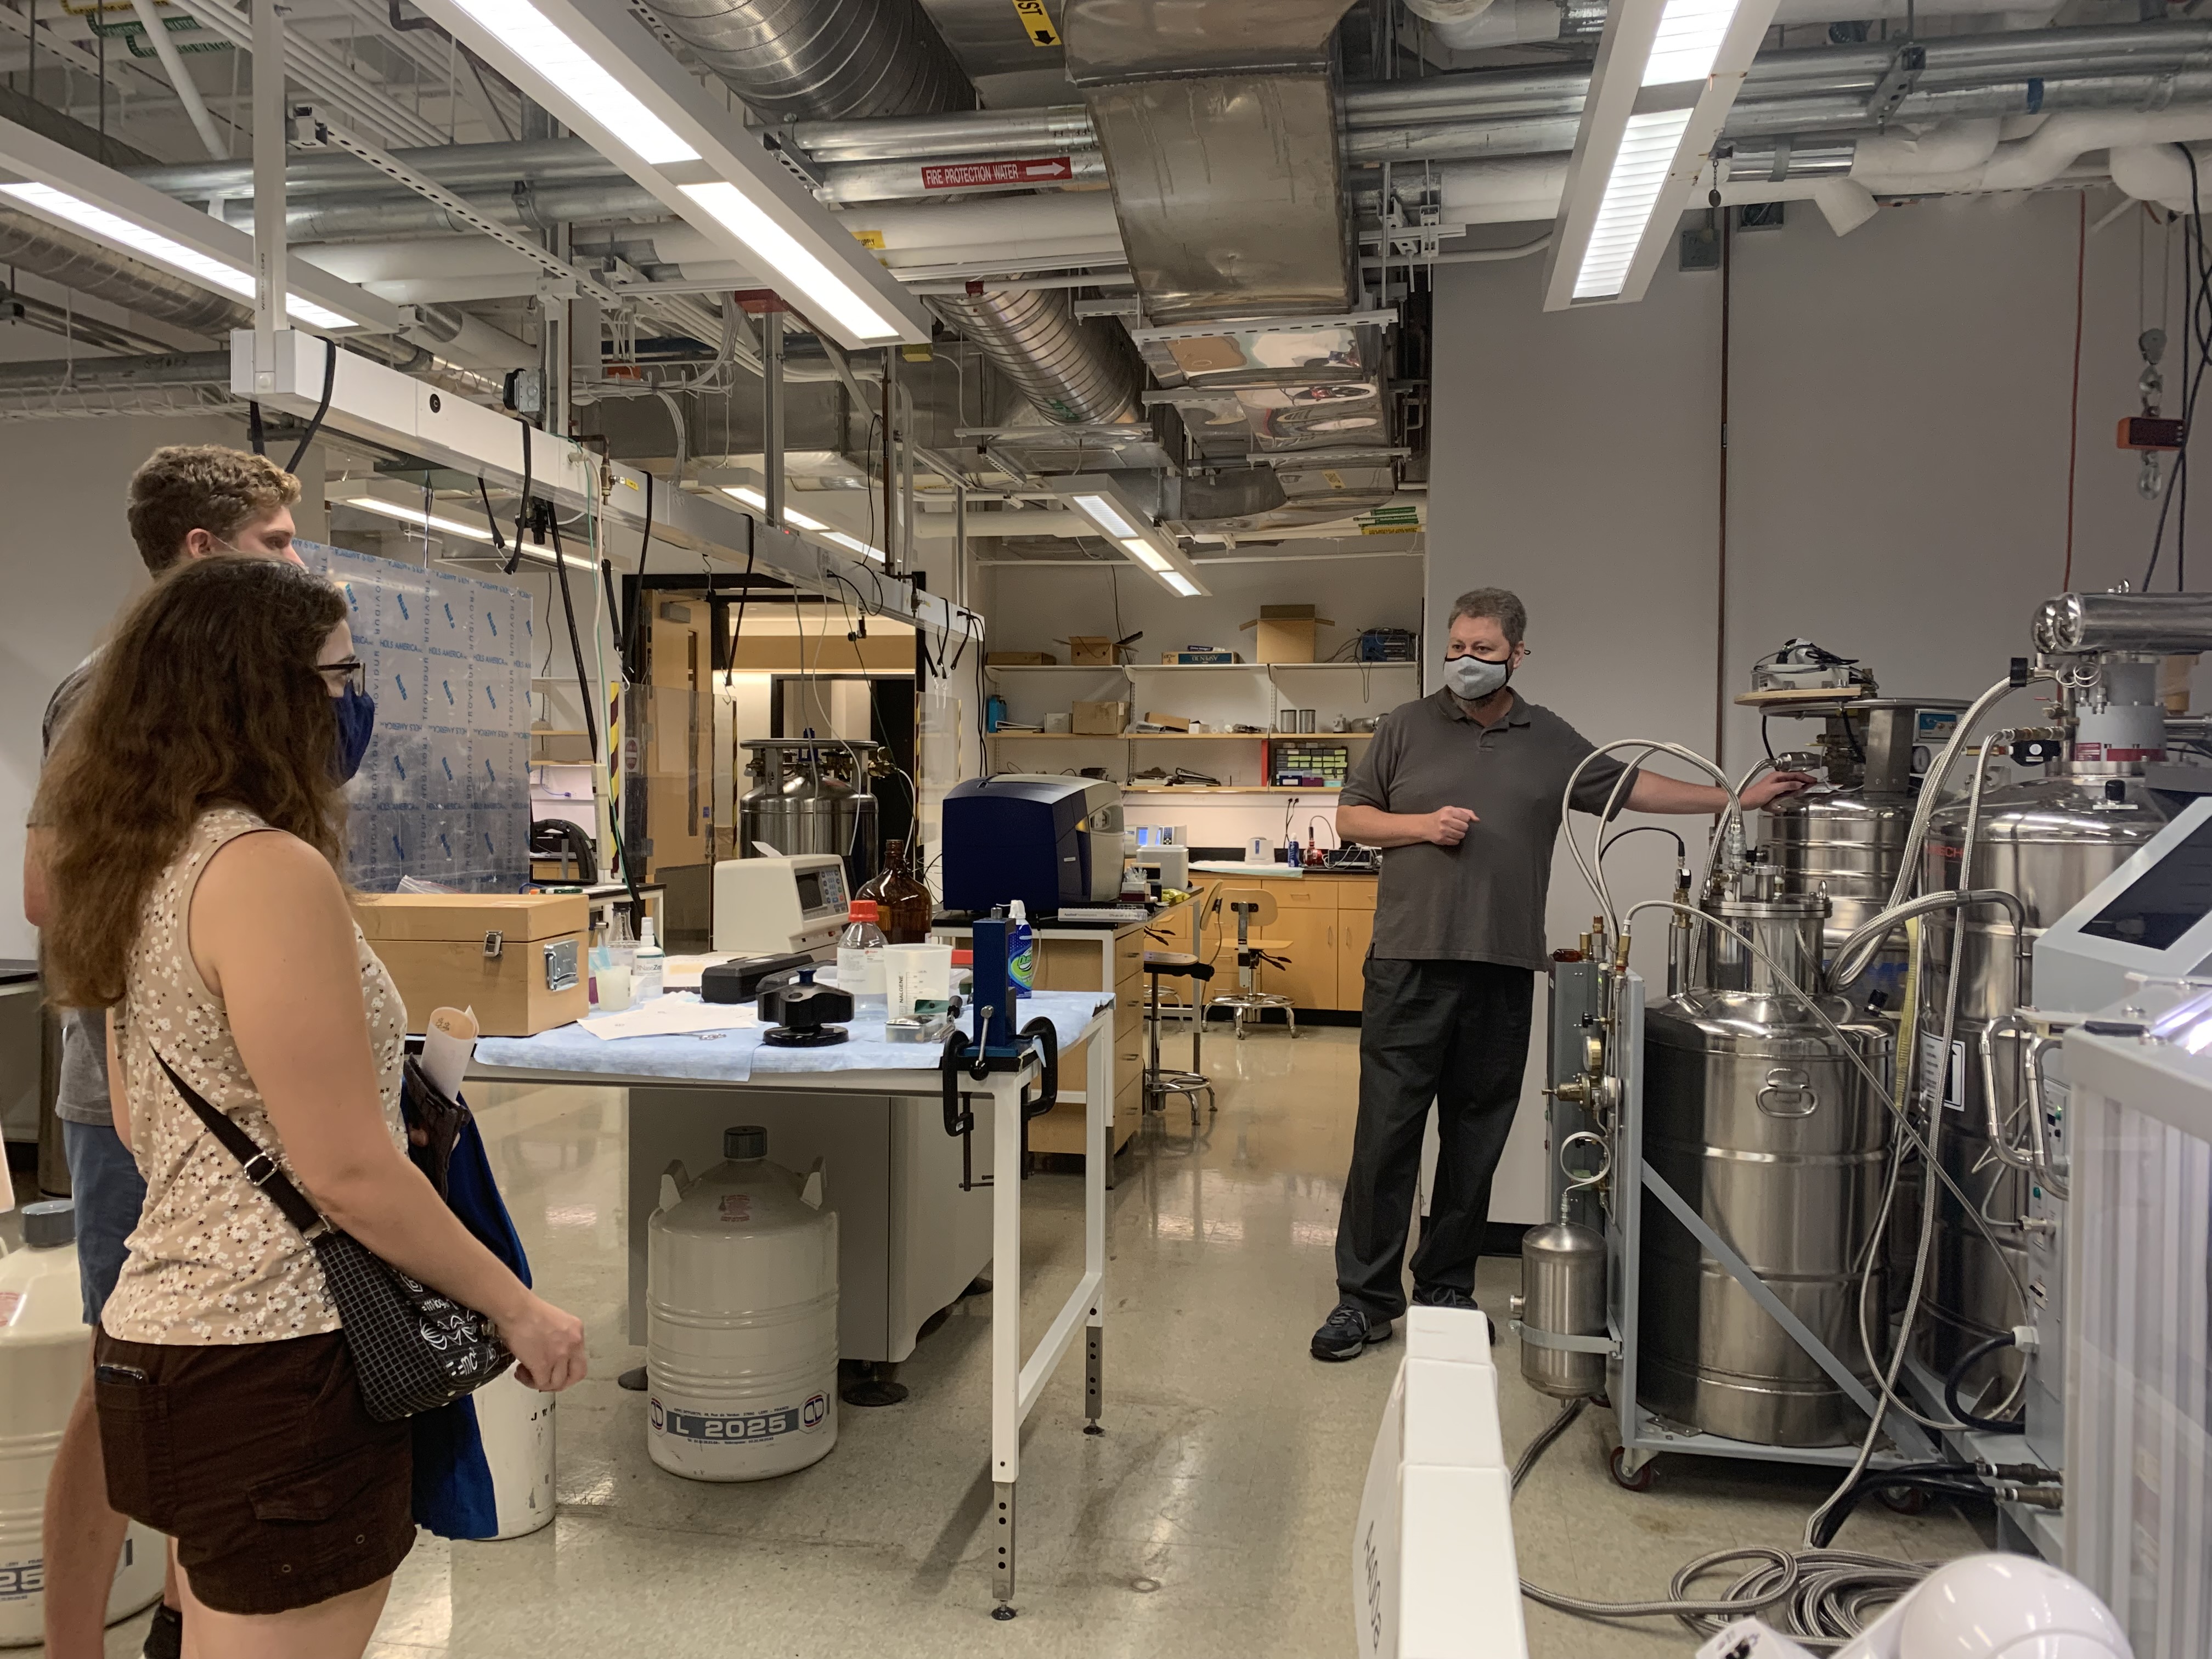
(1821, 1598)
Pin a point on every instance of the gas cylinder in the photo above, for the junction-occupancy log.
(1562, 1294)
(741, 1295)
(43, 1348)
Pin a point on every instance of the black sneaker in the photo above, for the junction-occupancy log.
(1349, 1332)
(164, 1637)
(1446, 1296)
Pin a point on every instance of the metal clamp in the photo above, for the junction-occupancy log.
(562, 969)
(494, 944)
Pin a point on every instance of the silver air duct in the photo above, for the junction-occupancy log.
(794, 59)
(1069, 369)
(99, 273)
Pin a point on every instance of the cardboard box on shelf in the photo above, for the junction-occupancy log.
(1173, 722)
(1099, 720)
(1020, 660)
(1097, 651)
(1286, 633)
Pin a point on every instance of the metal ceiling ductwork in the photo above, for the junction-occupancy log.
(791, 59)
(98, 272)
(1219, 124)
(1217, 120)
(1070, 370)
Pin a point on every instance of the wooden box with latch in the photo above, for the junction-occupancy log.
(517, 958)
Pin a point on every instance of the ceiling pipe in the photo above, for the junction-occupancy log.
(791, 59)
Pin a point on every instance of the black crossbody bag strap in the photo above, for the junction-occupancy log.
(260, 1169)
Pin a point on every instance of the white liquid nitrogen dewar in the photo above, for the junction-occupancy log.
(741, 1293)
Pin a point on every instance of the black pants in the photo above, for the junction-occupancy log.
(1455, 1033)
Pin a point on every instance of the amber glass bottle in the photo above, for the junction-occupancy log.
(902, 900)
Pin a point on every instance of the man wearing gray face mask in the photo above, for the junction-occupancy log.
(1464, 786)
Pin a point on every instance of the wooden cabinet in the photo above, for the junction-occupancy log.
(1078, 960)
(1323, 925)
(1307, 938)
(1355, 932)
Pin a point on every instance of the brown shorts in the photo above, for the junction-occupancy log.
(258, 1459)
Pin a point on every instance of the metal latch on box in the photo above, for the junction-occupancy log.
(494, 943)
(561, 965)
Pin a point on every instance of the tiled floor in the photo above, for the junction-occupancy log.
(1214, 1518)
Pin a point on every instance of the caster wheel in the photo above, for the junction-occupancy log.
(1639, 1481)
(1903, 1500)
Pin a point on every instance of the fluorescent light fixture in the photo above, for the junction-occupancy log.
(1667, 73)
(857, 546)
(413, 515)
(1106, 504)
(1100, 512)
(601, 71)
(811, 282)
(117, 231)
(755, 500)
(56, 184)
(564, 64)
(1639, 174)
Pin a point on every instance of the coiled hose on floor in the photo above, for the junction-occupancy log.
(1820, 1599)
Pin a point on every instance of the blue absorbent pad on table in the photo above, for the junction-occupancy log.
(738, 1056)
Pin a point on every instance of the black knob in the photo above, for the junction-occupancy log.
(2115, 789)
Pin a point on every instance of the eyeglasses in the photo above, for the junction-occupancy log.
(355, 671)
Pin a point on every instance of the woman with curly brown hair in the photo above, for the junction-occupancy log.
(196, 829)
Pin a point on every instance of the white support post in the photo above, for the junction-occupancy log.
(1006, 1329)
(270, 127)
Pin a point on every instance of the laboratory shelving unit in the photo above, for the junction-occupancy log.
(1252, 694)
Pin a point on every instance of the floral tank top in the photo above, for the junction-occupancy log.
(213, 1263)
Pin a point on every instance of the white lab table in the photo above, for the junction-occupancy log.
(1016, 1381)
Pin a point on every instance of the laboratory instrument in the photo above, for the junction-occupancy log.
(810, 795)
(1046, 840)
(795, 903)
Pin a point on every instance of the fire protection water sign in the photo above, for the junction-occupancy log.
(966, 175)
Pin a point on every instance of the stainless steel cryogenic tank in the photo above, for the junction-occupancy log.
(1755, 1115)
(2048, 840)
(813, 796)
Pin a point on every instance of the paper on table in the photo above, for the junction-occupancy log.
(672, 1016)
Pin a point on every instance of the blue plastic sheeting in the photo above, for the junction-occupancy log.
(738, 1056)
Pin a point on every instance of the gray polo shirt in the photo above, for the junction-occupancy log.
(81, 1092)
(1483, 900)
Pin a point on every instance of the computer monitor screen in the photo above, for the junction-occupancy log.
(2166, 901)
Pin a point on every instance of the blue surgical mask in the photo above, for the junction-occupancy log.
(356, 713)
(1475, 679)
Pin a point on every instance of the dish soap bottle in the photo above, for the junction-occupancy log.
(647, 964)
(860, 959)
(1021, 951)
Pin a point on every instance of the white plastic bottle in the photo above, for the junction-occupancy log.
(741, 1318)
(647, 964)
(860, 959)
(43, 1340)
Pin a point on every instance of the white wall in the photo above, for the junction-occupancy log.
(69, 566)
(1897, 478)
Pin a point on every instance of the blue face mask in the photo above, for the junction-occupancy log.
(356, 713)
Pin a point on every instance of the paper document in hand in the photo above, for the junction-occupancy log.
(672, 1016)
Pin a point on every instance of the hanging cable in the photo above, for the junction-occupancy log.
(322, 409)
(2074, 404)
(522, 519)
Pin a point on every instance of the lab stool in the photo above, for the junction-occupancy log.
(1253, 907)
(1159, 1084)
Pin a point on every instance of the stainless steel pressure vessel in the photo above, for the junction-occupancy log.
(1755, 1115)
(1562, 1294)
(1849, 844)
(812, 797)
(2048, 840)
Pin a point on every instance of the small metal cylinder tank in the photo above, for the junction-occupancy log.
(1563, 1269)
